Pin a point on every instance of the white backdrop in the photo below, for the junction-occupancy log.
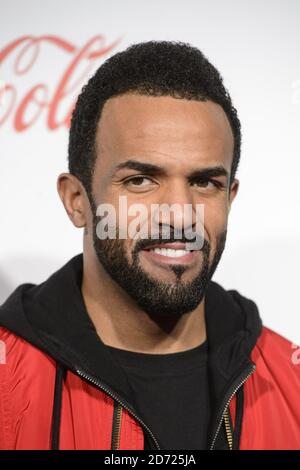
(254, 44)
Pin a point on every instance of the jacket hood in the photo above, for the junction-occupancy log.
(52, 317)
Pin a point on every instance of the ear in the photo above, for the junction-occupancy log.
(72, 194)
(233, 192)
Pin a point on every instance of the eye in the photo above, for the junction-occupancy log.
(208, 185)
(139, 183)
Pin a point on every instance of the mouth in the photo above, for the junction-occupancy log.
(171, 253)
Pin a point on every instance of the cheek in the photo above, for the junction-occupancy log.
(215, 220)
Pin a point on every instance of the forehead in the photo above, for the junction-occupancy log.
(177, 131)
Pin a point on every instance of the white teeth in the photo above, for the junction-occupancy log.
(170, 252)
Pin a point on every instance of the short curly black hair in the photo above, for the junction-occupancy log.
(154, 68)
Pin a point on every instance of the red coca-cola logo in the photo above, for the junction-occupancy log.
(24, 109)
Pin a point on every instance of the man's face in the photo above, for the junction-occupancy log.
(154, 150)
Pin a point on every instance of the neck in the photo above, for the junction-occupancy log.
(120, 323)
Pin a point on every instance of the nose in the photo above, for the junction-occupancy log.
(177, 206)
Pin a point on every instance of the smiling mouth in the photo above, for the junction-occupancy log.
(171, 252)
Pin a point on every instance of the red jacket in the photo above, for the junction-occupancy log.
(54, 394)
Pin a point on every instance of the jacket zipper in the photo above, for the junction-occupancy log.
(116, 428)
(103, 387)
(230, 395)
(228, 430)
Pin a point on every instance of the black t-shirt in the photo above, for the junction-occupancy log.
(171, 394)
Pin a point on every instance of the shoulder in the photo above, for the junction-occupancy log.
(273, 342)
(14, 348)
(277, 357)
(25, 373)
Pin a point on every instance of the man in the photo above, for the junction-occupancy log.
(132, 345)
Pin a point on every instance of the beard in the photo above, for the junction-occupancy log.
(154, 296)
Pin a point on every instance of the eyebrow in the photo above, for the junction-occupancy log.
(151, 169)
(209, 172)
(148, 168)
